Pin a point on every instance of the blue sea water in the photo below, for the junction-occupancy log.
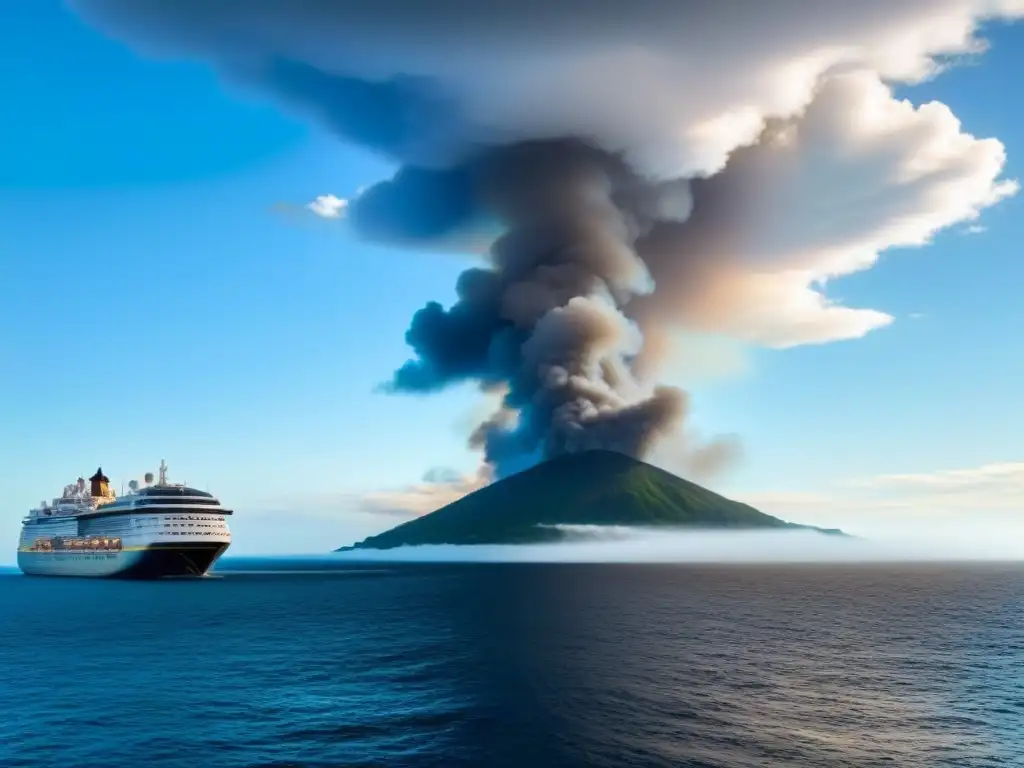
(517, 665)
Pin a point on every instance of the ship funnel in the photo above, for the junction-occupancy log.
(100, 483)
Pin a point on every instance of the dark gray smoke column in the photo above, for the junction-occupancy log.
(545, 318)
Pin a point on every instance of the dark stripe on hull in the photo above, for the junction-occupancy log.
(161, 560)
(155, 562)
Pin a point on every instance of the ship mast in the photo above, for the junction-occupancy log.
(163, 472)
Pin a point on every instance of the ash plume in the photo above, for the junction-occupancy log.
(545, 317)
(635, 168)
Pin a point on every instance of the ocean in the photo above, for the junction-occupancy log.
(523, 665)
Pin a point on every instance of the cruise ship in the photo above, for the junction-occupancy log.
(155, 530)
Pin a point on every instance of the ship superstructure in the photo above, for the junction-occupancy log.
(157, 529)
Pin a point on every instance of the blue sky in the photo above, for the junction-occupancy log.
(154, 304)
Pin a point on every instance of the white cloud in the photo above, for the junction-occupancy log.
(328, 206)
(975, 229)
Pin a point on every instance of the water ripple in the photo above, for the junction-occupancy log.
(525, 665)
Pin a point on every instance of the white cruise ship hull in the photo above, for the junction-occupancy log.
(151, 545)
(153, 562)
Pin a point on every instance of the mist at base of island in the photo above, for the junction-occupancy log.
(618, 544)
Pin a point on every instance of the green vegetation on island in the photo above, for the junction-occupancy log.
(589, 488)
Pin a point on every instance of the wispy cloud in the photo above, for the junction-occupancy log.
(438, 488)
(1002, 477)
(995, 487)
(975, 229)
